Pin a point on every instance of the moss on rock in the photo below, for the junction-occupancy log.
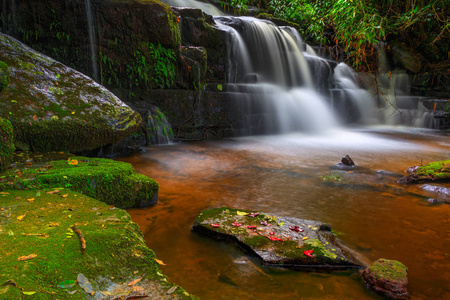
(279, 241)
(6, 143)
(4, 75)
(55, 108)
(37, 225)
(112, 182)
(435, 171)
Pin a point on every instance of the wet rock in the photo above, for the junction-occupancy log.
(55, 108)
(387, 277)
(435, 171)
(279, 241)
(406, 56)
(346, 160)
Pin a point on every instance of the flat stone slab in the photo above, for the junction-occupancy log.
(279, 241)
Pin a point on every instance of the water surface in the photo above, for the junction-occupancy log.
(284, 175)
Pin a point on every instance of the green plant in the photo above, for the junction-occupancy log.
(4, 75)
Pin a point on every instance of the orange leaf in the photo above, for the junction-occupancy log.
(28, 257)
(133, 282)
(34, 117)
(65, 195)
(53, 192)
(73, 162)
(30, 200)
(160, 262)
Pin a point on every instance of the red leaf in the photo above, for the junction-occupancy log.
(215, 225)
(308, 253)
(295, 228)
(236, 224)
(271, 233)
(253, 214)
(272, 238)
(251, 226)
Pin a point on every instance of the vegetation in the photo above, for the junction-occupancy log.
(6, 143)
(4, 75)
(112, 182)
(47, 255)
(356, 27)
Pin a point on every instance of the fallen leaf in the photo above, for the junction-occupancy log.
(4, 193)
(296, 228)
(172, 289)
(67, 284)
(215, 225)
(20, 218)
(236, 224)
(305, 238)
(133, 282)
(308, 253)
(241, 213)
(28, 257)
(53, 192)
(160, 262)
(53, 224)
(30, 200)
(73, 162)
(84, 283)
(29, 293)
(10, 232)
(251, 226)
(280, 224)
(271, 233)
(35, 118)
(272, 238)
(253, 214)
(65, 195)
(138, 289)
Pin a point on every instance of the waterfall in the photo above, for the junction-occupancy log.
(270, 79)
(158, 127)
(92, 39)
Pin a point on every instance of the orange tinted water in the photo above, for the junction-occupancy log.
(284, 175)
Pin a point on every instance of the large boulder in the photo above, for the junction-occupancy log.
(387, 277)
(53, 107)
(6, 143)
(279, 241)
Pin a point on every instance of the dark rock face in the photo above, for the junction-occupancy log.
(55, 108)
(279, 241)
(387, 277)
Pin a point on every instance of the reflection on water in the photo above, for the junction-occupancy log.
(284, 175)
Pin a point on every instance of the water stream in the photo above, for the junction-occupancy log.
(284, 175)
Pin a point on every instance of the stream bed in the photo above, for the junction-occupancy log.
(291, 175)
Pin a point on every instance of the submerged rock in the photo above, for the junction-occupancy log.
(55, 108)
(387, 277)
(279, 241)
(435, 171)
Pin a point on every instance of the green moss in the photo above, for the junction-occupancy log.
(435, 170)
(4, 75)
(41, 223)
(6, 143)
(112, 182)
(389, 269)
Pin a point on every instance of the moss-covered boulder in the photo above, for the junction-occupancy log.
(53, 107)
(279, 241)
(387, 277)
(42, 253)
(435, 171)
(112, 182)
(6, 143)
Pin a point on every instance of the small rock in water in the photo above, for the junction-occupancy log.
(346, 160)
(387, 277)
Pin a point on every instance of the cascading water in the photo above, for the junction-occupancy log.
(269, 77)
(158, 127)
(90, 23)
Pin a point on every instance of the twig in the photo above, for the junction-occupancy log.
(80, 235)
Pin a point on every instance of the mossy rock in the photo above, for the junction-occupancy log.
(55, 108)
(279, 241)
(387, 277)
(4, 75)
(44, 252)
(112, 182)
(435, 171)
(6, 143)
